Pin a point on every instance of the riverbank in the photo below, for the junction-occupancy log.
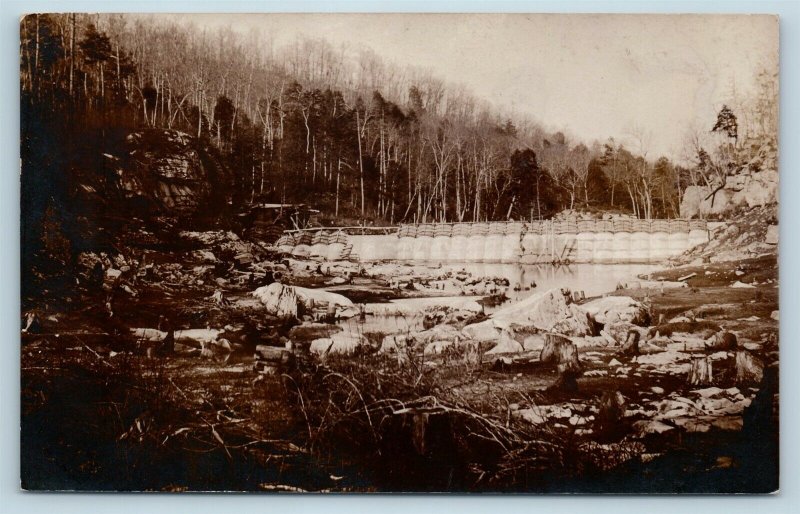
(420, 402)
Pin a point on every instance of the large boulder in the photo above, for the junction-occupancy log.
(698, 201)
(549, 311)
(575, 324)
(339, 343)
(690, 203)
(616, 309)
(289, 301)
(488, 330)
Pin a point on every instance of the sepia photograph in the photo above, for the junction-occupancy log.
(399, 252)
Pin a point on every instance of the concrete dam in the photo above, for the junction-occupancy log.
(583, 241)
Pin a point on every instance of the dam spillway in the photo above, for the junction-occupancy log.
(583, 241)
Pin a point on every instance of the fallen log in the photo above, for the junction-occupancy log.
(272, 353)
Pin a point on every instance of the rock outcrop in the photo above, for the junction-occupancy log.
(549, 311)
(742, 190)
(292, 302)
(172, 173)
(698, 202)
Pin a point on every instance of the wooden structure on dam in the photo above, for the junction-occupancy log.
(581, 241)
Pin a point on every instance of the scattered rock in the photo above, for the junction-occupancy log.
(540, 414)
(534, 342)
(663, 358)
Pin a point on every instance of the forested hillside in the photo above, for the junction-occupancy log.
(356, 137)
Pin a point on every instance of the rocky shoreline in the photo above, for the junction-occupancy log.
(229, 332)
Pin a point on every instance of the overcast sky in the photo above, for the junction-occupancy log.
(594, 76)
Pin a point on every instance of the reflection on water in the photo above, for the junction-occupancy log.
(524, 280)
(593, 279)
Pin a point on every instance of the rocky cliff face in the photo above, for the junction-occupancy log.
(755, 184)
(173, 174)
(142, 188)
(741, 190)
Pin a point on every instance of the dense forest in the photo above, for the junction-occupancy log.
(355, 137)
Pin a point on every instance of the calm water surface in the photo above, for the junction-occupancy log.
(524, 279)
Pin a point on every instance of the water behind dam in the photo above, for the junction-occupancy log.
(593, 279)
(524, 281)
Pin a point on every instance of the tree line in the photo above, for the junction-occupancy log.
(352, 135)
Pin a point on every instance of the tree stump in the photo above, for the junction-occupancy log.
(610, 414)
(563, 353)
(631, 346)
(566, 381)
(560, 351)
(701, 372)
(168, 345)
(749, 369)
